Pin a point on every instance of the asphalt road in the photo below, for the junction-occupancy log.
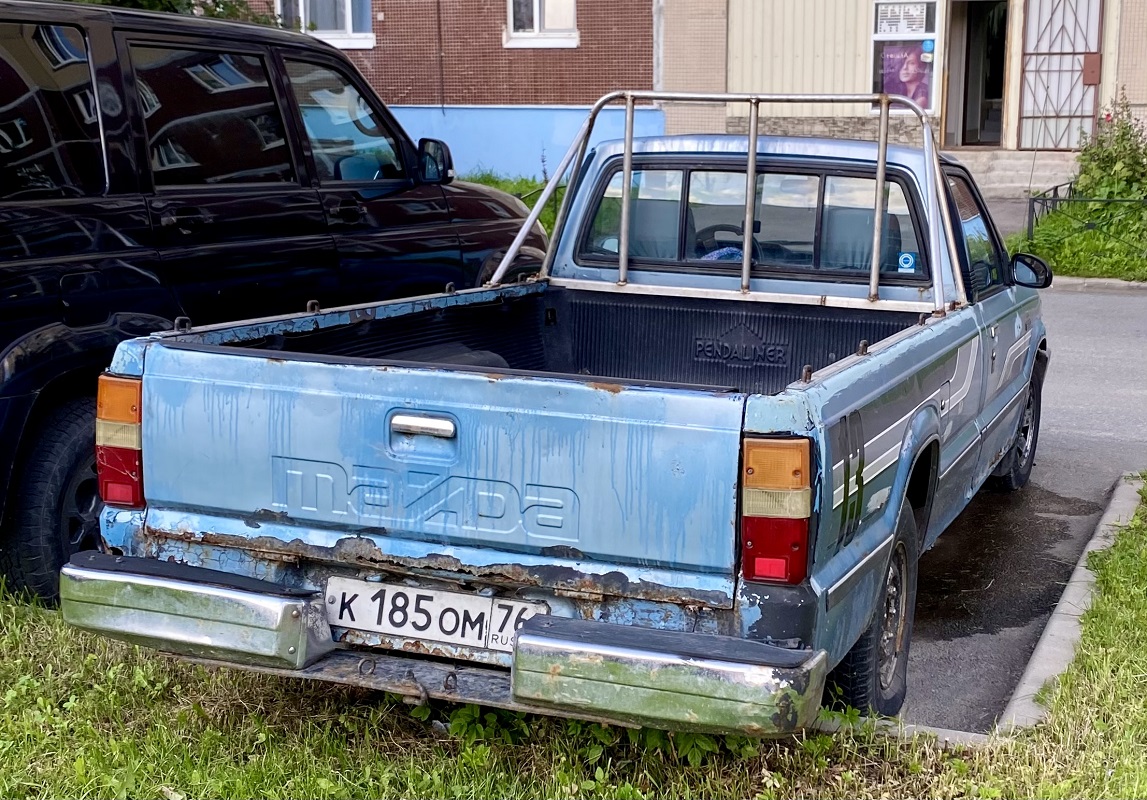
(988, 586)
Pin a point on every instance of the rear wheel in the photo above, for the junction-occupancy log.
(873, 677)
(57, 504)
(1016, 467)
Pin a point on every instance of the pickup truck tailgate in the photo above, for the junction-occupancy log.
(638, 476)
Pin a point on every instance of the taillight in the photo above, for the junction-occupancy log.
(776, 503)
(119, 462)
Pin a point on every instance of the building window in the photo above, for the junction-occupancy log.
(344, 23)
(219, 75)
(541, 23)
(151, 103)
(62, 45)
(904, 50)
(167, 154)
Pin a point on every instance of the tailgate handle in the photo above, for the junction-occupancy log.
(425, 426)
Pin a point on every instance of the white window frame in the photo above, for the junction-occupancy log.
(151, 103)
(344, 40)
(57, 48)
(207, 75)
(937, 68)
(539, 37)
(167, 154)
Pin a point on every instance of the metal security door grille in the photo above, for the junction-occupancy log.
(1058, 101)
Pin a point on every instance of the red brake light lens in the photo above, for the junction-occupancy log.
(119, 460)
(776, 503)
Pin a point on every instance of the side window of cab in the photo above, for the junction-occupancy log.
(349, 139)
(984, 264)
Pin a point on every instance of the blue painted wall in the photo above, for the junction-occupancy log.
(510, 140)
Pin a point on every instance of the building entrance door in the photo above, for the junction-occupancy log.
(976, 63)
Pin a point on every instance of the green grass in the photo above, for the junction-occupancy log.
(85, 717)
(1090, 241)
(528, 189)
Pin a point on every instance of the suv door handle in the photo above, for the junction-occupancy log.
(346, 210)
(184, 215)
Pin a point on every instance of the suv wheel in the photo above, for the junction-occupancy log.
(57, 504)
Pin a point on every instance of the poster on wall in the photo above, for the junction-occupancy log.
(904, 67)
(901, 18)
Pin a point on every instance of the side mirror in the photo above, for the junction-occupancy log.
(435, 162)
(1030, 271)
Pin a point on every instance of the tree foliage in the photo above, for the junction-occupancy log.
(222, 9)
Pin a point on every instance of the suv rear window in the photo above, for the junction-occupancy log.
(802, 222)
(49, 126)
(211, 117)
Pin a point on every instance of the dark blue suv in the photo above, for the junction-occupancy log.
(154, 167)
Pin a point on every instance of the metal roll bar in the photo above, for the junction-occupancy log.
(937, 212)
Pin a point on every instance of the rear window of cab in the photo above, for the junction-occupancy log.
(805, 224)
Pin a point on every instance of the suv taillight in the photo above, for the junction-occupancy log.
(776, 503)
(119, 462)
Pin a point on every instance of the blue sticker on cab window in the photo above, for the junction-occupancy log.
(928, 46)
(907, 262)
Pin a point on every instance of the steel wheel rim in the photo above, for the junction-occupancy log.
(79, 512)
(894, 616)
(1024, 438)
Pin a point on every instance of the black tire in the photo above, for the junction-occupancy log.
(873, 677)
(1015, 468)
(56, 508)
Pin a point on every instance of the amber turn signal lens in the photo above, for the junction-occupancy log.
(119, 399)
(779, 464)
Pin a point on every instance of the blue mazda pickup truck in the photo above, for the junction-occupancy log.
(677, 474)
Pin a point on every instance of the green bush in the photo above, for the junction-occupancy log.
(1113, 162)
(1101, 239)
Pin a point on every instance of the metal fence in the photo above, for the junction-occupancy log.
(1104, 215)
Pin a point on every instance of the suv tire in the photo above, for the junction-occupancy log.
(56, 508)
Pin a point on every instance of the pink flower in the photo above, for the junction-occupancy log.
(1107, 118)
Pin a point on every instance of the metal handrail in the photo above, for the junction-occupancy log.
(938, 215)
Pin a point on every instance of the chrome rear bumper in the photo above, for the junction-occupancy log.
(643, 676)
(194, 612)
(575, 668)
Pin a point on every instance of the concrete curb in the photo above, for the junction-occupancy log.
(1056, 647)
(1070, 284)
(945, 739)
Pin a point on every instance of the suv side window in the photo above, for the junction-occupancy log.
(984, 259)
(211, 117)
(349, 140)
(49, 129)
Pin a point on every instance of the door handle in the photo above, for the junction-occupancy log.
(347, 210)
(184, 215)
(423, 426)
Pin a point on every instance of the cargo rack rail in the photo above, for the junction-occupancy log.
(937, 211)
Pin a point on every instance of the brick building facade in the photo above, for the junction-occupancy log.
(461, 52)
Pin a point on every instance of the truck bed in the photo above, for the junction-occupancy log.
(744, 346)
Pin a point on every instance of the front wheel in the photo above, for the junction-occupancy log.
(873, 677)
(57, 505)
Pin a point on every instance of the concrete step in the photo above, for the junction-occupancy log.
(1016, 173)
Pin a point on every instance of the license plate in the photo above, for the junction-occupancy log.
(450, 617)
